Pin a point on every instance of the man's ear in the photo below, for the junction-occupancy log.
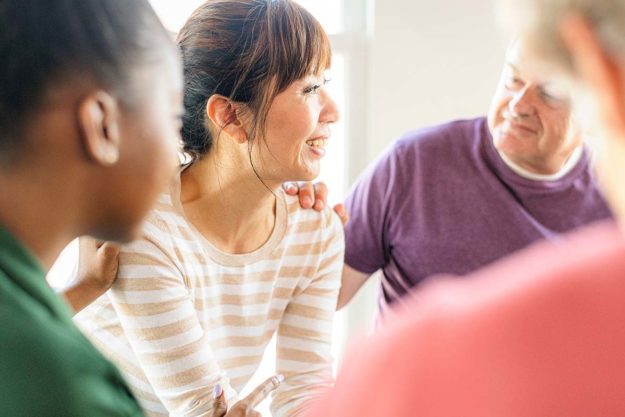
(98, 116)
(599, 71)
(224, 115)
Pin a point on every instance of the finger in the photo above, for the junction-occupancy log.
(306, 192)
(220, 405)
(262, 391)
(321, 195)
(87, 252)
(87, 246)
(110, 251)
(340, 210)
(291, 188)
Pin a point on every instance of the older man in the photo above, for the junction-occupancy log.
(540, 333)
(455, 197)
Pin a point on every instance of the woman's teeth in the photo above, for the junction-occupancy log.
(317, 143)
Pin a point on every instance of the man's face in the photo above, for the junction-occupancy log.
(530, 115)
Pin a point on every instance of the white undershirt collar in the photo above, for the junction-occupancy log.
(576, 155)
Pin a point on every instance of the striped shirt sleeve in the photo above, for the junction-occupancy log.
(305, 331)
(156, 311)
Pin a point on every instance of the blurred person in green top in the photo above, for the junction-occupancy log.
(90, 105)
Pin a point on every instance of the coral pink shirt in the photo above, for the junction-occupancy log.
(540, 333)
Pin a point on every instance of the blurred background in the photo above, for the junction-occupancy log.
(398, 65)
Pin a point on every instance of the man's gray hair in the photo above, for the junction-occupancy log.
(537, 21)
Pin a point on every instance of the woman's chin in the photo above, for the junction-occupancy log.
(309, 175)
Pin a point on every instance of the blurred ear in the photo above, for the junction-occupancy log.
(223, 113)
(598, 70)
(98, 116)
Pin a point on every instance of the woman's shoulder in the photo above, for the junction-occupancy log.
(325, 219)
(164, 228)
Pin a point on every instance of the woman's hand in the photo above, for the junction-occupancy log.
(244, 407)
(97, 269)
(314, 196)
(97, 262)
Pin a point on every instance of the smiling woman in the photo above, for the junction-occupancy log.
(229, 257)
(332, 16)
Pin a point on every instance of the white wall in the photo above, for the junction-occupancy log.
(430, 61)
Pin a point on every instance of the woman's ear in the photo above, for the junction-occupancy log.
(223, 113)
(98, 116)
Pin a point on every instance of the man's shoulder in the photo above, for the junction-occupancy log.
(452, 144)
(459, 131)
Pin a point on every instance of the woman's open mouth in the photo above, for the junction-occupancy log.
(317, 146)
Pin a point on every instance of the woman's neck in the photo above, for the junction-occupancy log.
(228, 203)
(34, 210)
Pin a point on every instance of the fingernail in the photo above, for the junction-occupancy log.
(289, 186)
(307, 201)
(319, 205)
(277, 380)
(217, 391)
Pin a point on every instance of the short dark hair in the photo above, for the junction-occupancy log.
(248, 51)
(43, 43)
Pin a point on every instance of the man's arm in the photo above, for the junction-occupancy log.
(351, 281)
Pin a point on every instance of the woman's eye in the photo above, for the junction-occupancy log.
(312, 89)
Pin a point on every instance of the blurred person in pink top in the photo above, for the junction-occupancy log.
(540, 333)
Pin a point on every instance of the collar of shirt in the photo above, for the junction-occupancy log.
(575, 157)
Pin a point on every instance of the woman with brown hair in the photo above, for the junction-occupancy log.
(227, 259)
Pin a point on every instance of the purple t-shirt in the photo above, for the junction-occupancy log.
(442, 200)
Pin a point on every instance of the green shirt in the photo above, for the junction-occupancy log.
(47, 367)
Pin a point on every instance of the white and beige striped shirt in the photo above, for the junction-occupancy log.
(184, 316)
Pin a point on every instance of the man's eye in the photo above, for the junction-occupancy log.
(554, 99)
(513, 82)
(555, 93)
